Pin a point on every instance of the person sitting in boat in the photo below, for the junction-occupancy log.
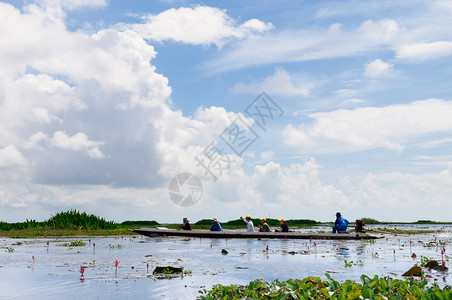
(264, 226)
(186, 225)
(340, 225)
(284, 227)
(249, 223)
(216, 225)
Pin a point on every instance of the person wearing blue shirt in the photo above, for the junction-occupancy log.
(340, 226)
(216, 225)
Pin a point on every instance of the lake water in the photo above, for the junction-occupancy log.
(54, 271)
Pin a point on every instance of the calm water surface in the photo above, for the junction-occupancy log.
(54, 271)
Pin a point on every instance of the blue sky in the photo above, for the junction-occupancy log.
(103, 103)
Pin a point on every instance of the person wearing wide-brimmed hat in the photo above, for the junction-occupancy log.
(284, 227)
(249, 223)
(216, 225)
(186, 225)
(264, 226)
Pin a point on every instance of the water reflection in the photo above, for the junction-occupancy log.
(361, 249)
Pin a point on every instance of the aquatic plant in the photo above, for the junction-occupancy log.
(349, 264)
(405, 231)
(425, 260)
(76, 243)
(315, 288)
(116, 266)
(368, 241)
(73, 218)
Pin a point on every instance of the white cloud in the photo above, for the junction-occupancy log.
(352, 101)
(10, 156)
(201, 25)
(378, 68)
(54, 82)
(420, 34)
(303, 45)
(403, 192)
(70, 4)
(422, 51)
(280, 83)
(372, 127)
(65, 96)
(77, 4)
(184, 138)
(77, 142)
(267, 155)
(380, 32)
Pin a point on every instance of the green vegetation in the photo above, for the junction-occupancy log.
(70, 223)
(349, 264)
(403, 231)
(315, 288)
(369, 221)
(77, 243)
(426, 222)
(75, 219)
(139, 223)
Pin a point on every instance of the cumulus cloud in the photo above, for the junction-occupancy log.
(69, 99)
(279, 83)
(372, 127)
(10, 156)
(83, 110)
(378, 68)
(200, 25)
(402, 192)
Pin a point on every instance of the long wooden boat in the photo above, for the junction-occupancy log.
(231, 234)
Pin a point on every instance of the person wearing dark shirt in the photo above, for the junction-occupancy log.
(340, 225)
(186, 225)
(264, 226)
(216, 225)
(284, 227)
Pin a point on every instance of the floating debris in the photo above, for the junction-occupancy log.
(168, 270)
(414, 271)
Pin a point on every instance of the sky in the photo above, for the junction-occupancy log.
(282, 109)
